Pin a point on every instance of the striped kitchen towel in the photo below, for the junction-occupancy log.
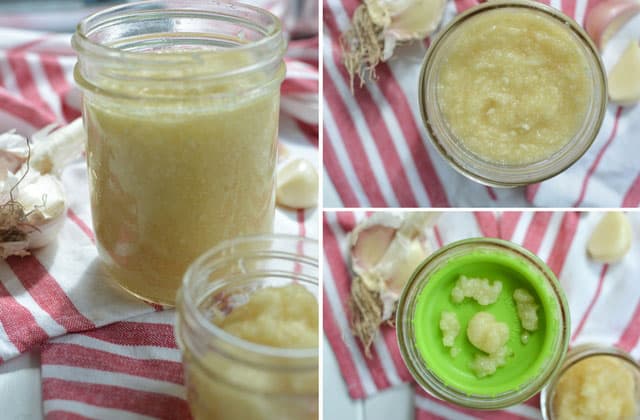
(604, 299)
(377, 152)
(61, 288)
(127, 370)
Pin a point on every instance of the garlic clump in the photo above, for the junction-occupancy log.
(32, 199)
(379, 25)
(491, 336)
(385, 250)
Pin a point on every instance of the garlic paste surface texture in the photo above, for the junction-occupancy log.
(514, 86)
(278, 317)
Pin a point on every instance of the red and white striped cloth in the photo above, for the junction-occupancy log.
(378, 154)
(604, 299)
(130, 367)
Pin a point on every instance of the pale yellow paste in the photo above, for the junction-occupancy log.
(514, 86)
(597, 388)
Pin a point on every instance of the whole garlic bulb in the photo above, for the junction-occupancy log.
(32, 200)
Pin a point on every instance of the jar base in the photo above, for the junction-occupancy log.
(139, 289)
(147, 298)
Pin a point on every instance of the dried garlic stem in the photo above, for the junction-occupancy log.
(366, 313)
(362, 46)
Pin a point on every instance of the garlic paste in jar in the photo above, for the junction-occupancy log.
(514, 85)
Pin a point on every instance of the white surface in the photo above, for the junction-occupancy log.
(20, 388)
(395, 403)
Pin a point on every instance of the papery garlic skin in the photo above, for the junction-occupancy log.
(607, 17)
(52, 151)
(385, 251)
(43, 199)
(13, 154)
(405, 20)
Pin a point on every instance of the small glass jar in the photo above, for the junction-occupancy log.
(231, 378)
(454, 259)
(581, 353)
(181, 103)
(496, 172)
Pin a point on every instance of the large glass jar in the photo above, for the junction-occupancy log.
(428, 294)
(181, 102)
(229, 377)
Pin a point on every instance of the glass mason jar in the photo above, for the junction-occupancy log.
(446, 377)
(496, 172)
(579, 354)
(231, 378)
(181, 103)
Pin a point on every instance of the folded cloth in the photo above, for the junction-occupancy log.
(377, 152)
(604, 299)
(61, 288)
(130, 369)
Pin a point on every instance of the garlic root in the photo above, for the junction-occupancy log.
(366, 313)
(379, 25)
(362, 47)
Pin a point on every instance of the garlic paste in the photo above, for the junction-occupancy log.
(278, 317)
(514, 86)
(179, 168)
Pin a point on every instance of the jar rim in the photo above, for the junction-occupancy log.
(575, 355)
(428, 379)
(186, 301)
(502, 175)
(84, 45)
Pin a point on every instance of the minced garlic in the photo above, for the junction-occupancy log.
(476, 288)
(490, 336)
(485, 365)
(598, 387)
(450, 327)
(284, 317)
(526, 307)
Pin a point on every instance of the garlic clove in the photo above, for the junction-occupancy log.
(297, 184)
(624, 77)
(607, 17)
(611, 239)
(9, 162)
(369, 247)
(52, 151)
(43, 197)
(417, 21)
(404, 20)
(46, 233)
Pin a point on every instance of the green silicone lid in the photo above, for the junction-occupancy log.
(527, 360)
